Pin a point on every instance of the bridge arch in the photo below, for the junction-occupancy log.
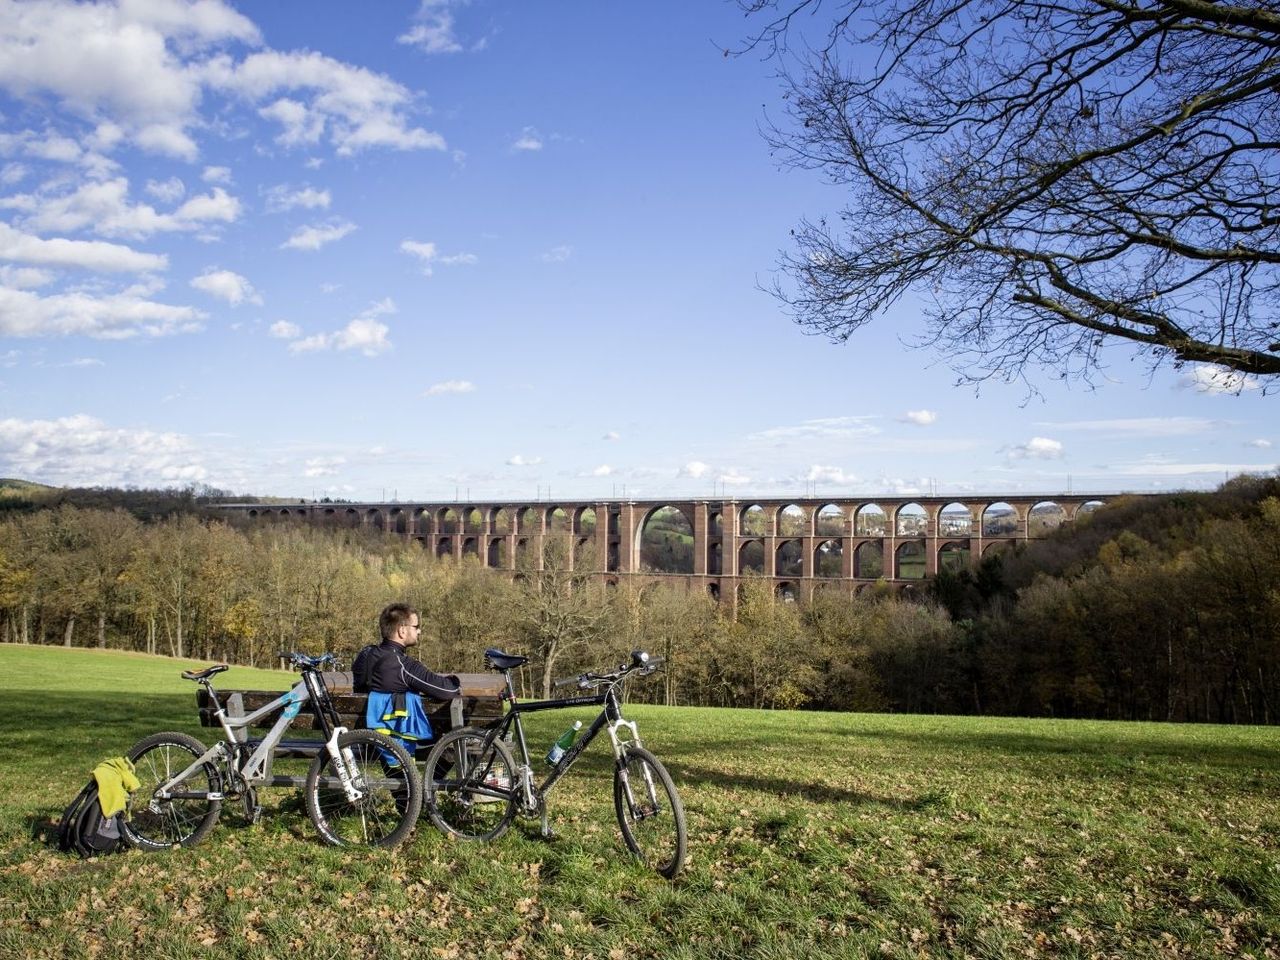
(955, 520)
(584, 520)
(954, 555)
(870, 520)
(999, 519)
(793, 521)
(829, 521)
(910, 520)
(868, 560)
(789, 559)
(1045, 517)
(664, 543)
(828, 559)
(753, 522)
(909, 561)
(751, 556)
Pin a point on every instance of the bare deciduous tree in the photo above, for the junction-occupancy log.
(1048, 177)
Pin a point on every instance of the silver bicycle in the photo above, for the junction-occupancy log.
(362, 788)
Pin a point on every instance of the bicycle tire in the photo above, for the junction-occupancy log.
(391, 793)
(655, 835)
(160, 824)
(471, 787)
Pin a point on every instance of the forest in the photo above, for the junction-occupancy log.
(1154, 608)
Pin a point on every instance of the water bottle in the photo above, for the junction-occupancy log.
(564, 743)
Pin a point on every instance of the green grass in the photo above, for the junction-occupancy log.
(812, 835)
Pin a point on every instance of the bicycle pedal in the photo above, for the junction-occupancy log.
(254, 815)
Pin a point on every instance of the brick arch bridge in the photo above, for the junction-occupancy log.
(799, 544)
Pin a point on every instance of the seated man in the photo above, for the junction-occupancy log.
(396, 683)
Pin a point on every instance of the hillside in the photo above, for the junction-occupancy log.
(811, 835)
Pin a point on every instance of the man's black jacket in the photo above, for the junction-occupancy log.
(387, 669)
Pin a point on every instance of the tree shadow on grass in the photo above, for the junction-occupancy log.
(784, 787)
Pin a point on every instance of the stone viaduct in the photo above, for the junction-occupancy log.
(800, 545)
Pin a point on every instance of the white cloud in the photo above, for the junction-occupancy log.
(427, 253)
(119, 62)
(323, 466)
(1037, 448)
(733, 477)
(557, 255)
(83, 451)
(1140, 426)
(612, 435)
(82, 362)
(142, 69)
(284, 197)
(1166, 468)
(1259, 444)
(356, 108)
(85, 254)
(434, 30)
(921, 418)
(226, 285)
(25, 278)
(529, 141)
(827, 428)
(604, 470)
(316, 236)
(365, 333)
(112, 316)
(167, 191)
(13, 173)
(1207, 378)
(103, 206)
(821, 474)
(216, 175)
(522, 461)
(460, 260)
(449, 386)
(694, 469)
(284, 330)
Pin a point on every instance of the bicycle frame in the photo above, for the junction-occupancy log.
(255, 770)
(610, 718)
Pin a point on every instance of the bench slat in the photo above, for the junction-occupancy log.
(481, 699)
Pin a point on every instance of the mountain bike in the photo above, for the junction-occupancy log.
(362, 789)
(475, 787)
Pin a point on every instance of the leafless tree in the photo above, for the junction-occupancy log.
(1046, 177)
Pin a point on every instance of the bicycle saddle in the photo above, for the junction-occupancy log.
(204, 674)
(495, 659)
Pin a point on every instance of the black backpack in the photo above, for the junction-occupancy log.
(85, 830)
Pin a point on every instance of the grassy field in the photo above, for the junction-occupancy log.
(812, 835)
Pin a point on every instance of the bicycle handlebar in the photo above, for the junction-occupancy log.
(640, 661)
(305, 662)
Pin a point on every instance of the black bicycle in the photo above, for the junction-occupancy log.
(475, 787)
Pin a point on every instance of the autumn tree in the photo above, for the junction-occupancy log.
(1045, 178)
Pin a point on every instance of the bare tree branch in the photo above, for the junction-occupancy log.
(1047, 176)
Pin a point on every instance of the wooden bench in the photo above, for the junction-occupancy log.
(480, 703)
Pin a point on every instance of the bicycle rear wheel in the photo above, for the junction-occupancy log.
(381, 770)
(650, 814)
(157, 823)
(471, 786)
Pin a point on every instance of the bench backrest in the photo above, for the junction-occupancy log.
(481, 700)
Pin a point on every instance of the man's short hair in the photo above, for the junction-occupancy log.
(393, 618)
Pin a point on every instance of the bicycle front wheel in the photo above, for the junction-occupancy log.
(471, 786)
(186, 814)
(650, 814)
(381, 771)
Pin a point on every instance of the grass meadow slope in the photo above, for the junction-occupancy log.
(812, 835)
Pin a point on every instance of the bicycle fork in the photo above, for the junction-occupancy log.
(638, 811)
(344, 761)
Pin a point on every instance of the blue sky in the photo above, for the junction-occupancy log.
(487, 249)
